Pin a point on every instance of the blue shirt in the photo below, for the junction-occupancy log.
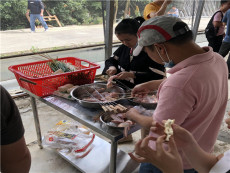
(226, 19)
(35, 6)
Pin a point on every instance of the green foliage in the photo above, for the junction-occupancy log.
(134, 4)
(69, 12)
(13, 14)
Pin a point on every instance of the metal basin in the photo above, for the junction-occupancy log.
(144, 104)
(85, 90)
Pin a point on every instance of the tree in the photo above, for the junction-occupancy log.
(69, 12)
(13, 14)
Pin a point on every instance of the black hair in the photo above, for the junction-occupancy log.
(180, 39)
(140, 19)
(223, 2)
(129, 26)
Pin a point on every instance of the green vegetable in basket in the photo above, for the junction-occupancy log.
(56, 65)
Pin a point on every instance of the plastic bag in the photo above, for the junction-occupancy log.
(70, 136)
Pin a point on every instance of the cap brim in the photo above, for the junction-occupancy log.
(137, 50)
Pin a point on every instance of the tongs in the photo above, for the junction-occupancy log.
(119, 83)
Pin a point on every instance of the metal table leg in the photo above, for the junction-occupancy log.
(36, 121)
(113, 156)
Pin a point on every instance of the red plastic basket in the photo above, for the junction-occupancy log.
(41, 74)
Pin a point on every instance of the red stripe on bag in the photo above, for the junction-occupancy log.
(85, 147)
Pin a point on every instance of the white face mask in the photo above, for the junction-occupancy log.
(169, 64)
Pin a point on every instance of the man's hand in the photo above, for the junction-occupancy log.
(141, 88)
(146, 87)
(132, 112)
(111, 71)
(41, 14)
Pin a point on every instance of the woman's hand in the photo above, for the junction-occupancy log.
(130, 113)
(111, 71)
(125, 75)
(169, 161)
(182, 137)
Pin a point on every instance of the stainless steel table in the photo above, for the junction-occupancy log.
(85, 116)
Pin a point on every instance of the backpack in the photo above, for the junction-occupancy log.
(210, 31)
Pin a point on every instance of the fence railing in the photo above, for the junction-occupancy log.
(189, 8)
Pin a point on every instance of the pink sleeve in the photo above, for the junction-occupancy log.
(173, 103)
(217, 17)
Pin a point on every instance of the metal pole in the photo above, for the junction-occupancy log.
(113, 156)
(198, 17)
(193, 12)
(109, 28)
(36, 121)
(103, 16)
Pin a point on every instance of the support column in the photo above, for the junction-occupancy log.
(109, 28)
(198, 17)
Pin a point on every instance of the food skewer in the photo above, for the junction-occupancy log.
(112, 107)
(107, 107)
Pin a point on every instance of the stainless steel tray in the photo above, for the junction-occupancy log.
(145, 105)
(81, 92)
(109, 124)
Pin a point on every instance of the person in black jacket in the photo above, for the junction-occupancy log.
(215, 29)
(131, 70)
(15, 155)
(36, 9)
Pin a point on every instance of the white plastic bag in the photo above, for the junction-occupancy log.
(70, 136)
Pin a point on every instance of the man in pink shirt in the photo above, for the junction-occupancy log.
(195, 94)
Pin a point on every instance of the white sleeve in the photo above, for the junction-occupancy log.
(223, 165)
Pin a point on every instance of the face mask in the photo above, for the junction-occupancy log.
(169, 64)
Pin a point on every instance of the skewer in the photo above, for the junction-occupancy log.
(122, 107)
(110, 105)
(121, 84)
(98, 92)
(119, 108)
(104, 108)
(113, 108)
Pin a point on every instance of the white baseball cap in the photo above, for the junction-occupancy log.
(158, 30)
